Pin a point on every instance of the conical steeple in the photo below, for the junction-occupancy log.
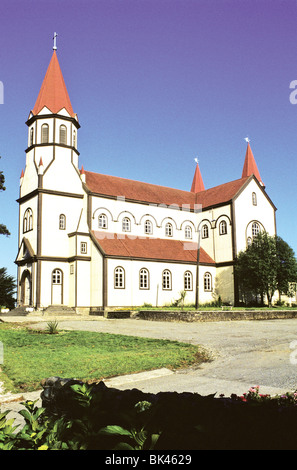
(53, 92)
(250, 166)
(197, 184)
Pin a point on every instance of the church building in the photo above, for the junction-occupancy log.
(90, 241)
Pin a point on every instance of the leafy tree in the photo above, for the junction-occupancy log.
(256, 268)
(7, 289)
(3, 229)
(287, 268)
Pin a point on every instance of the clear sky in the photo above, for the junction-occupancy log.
(155, 84)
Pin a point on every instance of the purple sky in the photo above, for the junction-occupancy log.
(156, 83)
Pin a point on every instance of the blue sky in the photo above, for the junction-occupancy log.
(156, 83)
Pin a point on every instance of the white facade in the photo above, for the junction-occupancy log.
(68, 254)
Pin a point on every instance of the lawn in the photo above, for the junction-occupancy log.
(30, 356)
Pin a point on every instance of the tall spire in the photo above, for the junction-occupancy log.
(197, 184)
(250, 166)
(53, 92)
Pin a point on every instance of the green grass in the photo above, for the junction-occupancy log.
(30, 356)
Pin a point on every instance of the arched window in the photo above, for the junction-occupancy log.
(31, 136)
(119, 278)
(205, 233)
(74, 139)
(102, 221)
(166, 280)
(148, 227)
(126, 224)
(207, 282)
(168, 230)
(143, 279)
(255, 229)
(44, 133)
(254, 199)
(28, 220)
(223, 227)
(63, 134)
(57, 276)
(188, 232)
(62, 222)
(188, 280)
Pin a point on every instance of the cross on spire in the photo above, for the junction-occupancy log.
(55, 41)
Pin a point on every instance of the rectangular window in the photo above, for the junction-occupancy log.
(83, 247)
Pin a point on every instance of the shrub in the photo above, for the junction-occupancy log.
(80, 416)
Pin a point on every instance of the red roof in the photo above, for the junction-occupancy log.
(250, 166)
(197, 184)
(129, 246)
(137, 190)
(114, 186)
(220, 194)
(53, 93)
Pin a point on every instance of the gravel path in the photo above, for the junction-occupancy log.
(246, 353)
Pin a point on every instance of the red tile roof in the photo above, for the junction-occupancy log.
(114, 186)
(129, 246)
(53, 93)
(220, 194)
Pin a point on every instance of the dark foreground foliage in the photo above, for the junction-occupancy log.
(81, 416)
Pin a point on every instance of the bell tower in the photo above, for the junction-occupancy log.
(51, 193)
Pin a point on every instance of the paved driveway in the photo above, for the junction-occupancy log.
(246, 353)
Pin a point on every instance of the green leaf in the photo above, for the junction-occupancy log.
(115, 430)
(123, 446)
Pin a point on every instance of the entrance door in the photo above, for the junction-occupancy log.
(57, 287)
(26, 288)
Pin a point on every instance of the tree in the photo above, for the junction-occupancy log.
(287, 268)
(3, 228)
(256, 268)
(7, 289)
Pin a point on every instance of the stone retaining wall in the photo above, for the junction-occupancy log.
(213, 315)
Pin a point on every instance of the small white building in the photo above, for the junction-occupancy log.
(92, 241)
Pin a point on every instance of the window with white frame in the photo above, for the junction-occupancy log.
(126, 224)
(255, 229)
(31, 136)
(254, 199)
(119, 278)
(143, 279)
(223, 227)
(207, 282)
(188, 280)
(62, 222)
(28, 220)
(83, 247)
(148, 227)
(168, 230)
(188, 232)
(44, 134)
(166, 280)
(204, 231)
(63, 134)
(102, 221)
(74, 138)
(57, 276)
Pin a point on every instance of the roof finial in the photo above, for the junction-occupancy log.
(196, 160)
(55, 41)
(247, 139)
